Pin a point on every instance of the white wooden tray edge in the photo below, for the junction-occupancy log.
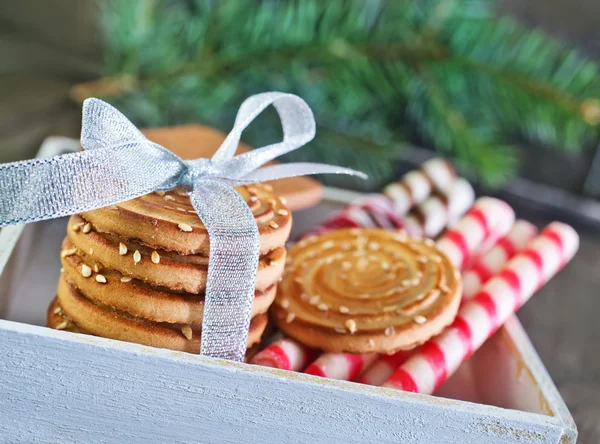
(63, 386)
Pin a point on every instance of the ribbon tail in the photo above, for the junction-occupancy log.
(232, 268)
(297, 169)
(52, 187)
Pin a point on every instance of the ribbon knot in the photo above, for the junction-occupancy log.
(119, 163)
(196, 170)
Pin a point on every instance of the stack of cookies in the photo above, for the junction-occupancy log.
(137, 271)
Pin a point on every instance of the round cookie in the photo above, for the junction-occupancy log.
(101, 321)
(58, 320)
(366, 290)
(167, 220)
(128, 295)
(157, 267)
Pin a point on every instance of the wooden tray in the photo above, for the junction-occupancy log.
(58, 386)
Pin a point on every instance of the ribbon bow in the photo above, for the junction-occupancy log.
(119, 163)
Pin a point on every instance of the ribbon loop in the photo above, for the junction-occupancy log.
(121, 164)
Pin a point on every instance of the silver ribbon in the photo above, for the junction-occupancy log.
(119, 164)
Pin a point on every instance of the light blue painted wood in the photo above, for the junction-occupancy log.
(62, 387)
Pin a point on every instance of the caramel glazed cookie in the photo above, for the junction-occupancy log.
(366, 290)
(146, 284)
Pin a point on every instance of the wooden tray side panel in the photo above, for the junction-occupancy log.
(61, 387)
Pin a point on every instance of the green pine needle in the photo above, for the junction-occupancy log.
(378, 74)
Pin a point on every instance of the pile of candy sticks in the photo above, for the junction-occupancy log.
(503, 261)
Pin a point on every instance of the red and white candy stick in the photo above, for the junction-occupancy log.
(285, 354)
(500, 297)
(488, 217)
(387, 210)
(487, 265)
(414, 187)
(383, 368)
(440, 209)
(342, 366)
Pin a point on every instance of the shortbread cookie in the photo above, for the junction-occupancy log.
(58, 320)
(138, 299)
(156, 267)
(167, 220)
(99, 320)
(366, 290)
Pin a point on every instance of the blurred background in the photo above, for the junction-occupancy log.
(510, 90)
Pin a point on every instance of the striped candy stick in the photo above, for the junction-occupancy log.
(414, 187)
(488, 217)
(487, 212)
(490, 263)
(383, 368)
(342, 366)
(426, 219)
(499, 298)
(285, 354)
(440, 209)
(388, 209)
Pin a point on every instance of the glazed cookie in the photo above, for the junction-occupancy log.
(167, 221)
(366, 290)
(58, 320)
(132, 296)
(100, 320)
(156, 267)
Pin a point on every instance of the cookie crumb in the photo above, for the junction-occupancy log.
(62, 325)
(314, 299)
(185, 227)
(186, 330)
(86, 271)
(374, 246)
(420, 319)
(322, 306)
(68, 252)
(351, 325)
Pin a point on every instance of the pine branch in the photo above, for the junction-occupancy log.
(466, 80)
